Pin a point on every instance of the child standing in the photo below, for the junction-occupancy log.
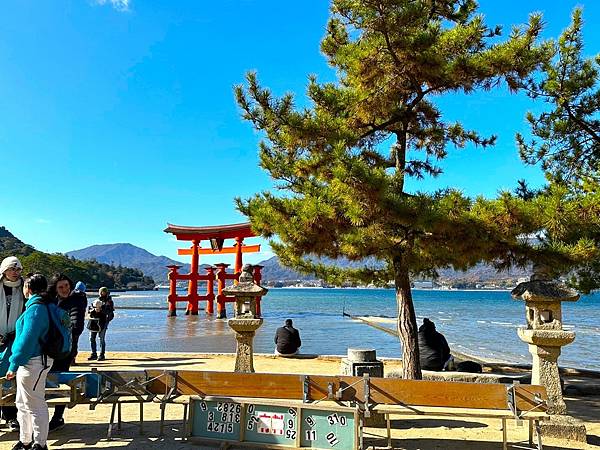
(98, 320)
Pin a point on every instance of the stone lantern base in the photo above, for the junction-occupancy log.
(564, 427)
(244, 335)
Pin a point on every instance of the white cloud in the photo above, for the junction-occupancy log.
(119, 5)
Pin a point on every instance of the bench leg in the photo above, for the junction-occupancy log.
(185, 421)
(389, 431)
(119, 421)
(538, 431)
(531, 433)
(110, 423)
(163, 406)
(141, 418)
(504, 443)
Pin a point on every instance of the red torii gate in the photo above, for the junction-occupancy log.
(216, 235)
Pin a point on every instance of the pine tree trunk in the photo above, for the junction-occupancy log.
(407, 323)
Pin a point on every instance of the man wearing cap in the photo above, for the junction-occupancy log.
(12, 305)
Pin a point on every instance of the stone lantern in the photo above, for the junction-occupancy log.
(545, 336)
(245, 321)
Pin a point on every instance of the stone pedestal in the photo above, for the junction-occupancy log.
(564, 427)
(361, 361)
(244, 335)
(246, 321)
(545, 336)
(544, 346)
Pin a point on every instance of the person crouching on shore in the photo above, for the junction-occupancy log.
(27, 365)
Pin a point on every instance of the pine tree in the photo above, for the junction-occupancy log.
(566, 136)
(567, 145)
(342, 163)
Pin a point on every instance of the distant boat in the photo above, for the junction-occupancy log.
(162, 286)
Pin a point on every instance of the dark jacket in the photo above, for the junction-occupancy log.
(108, 307)
(433, 347)
(75, 304)
(287, 340)
(98, 319)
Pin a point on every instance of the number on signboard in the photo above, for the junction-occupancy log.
(310, 421)
(203, 406)
(230, 428)
(211, 416)
(250, 409)
(311, 435)
(290, 434)
(292, 412)
(332, 439)
(219, 406)
(291, 424)
(343, 421)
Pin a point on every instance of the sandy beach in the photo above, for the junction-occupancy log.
(87, 428)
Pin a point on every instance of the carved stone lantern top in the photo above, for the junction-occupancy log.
(543, 298)
(246, 287)
(544, 291)
(245, 292)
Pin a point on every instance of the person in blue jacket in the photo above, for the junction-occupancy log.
(30, 367)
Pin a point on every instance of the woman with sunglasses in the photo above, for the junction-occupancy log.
(12, 305)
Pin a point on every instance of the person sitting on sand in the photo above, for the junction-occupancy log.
(434, 352)
(287, 340)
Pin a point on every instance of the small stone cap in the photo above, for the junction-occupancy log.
(362, 355)
(544, 291)
(246, 288)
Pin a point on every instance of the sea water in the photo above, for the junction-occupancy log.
(479, 323)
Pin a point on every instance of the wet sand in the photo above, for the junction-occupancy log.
(87, 428)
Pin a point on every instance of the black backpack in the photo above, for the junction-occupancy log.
(57, 342)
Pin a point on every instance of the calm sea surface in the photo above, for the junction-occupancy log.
(480, 323)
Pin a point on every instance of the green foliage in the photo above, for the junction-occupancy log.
(341, 163)
(566, 136)
(92, 273)
(567, 144)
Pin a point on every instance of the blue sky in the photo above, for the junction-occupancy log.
(117, 117)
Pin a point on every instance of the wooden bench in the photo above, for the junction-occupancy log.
(388, 396)
(470, 400)
(61, 394)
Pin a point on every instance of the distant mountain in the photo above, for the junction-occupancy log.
(275, 273)
(92, 273)
(130, 256)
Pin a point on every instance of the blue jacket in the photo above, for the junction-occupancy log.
(32, 326)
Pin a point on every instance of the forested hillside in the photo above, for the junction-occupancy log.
(92, 273)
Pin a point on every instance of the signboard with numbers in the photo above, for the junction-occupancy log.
(217, 419)
(274, 423)
(270, 424)
(327, 429)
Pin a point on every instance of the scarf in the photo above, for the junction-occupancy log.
(8, 318)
